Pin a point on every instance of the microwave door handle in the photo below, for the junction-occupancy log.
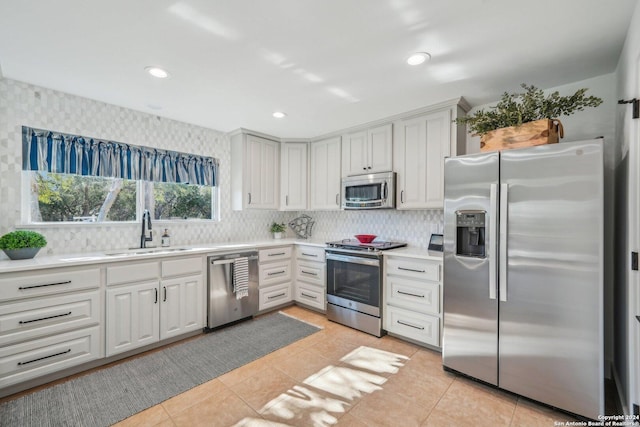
(384, 190)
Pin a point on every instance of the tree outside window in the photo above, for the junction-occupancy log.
(75, 198)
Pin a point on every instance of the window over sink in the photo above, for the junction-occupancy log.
(75, 179)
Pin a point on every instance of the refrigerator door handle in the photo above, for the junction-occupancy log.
(504, 221)
(493, 243)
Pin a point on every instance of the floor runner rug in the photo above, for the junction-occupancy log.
(109, 395)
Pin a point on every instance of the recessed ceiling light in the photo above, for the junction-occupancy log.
(418, 58)
(157, 72)
(279, 115)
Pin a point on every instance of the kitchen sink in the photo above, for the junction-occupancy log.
(141, 251)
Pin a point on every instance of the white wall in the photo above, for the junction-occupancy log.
(627, 232)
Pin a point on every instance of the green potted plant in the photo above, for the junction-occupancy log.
(277, 229)
(523, 119)
(22, 244)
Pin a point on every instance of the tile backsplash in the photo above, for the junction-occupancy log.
(29, 105)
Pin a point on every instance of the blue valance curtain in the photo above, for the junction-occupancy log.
(45, 150)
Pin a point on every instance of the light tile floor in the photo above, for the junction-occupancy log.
(343, 377)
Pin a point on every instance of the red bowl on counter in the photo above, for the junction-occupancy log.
(365, 238)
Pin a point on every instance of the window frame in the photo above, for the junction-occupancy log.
(26, 221)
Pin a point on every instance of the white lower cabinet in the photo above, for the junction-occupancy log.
(157, 308)
(413, 298)
(310, 285)
(49, 321)
(133, 315)
(181, 309)
(274, 277)
(35, 358)
(410, 324)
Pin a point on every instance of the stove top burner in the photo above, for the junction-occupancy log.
(370, 247)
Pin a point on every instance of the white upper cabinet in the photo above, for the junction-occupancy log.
(324, 188)
(421, 145)
(293, 177)
(255, 172)
(368, 151)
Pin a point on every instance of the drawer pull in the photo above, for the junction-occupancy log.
(45, 357)
(411, 269)
(311, 273)
(308, 296)
(276, 296)
(278, 254)
(22, 288)
(156, 296)
(165, 294)
(276, 272)
(22, 322)
(410, 294)
(313, 255)
(410, 325)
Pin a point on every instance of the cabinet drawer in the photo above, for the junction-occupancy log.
(275, 254)
(311, 295)
(310, 253)
(415, 268)
(273, 273)
(273, 296)
(311, 272)
(22, 362)
(49, 282)
(47, 316)
(420, 327)
(182, 267)
(413, 294)
(130, 273)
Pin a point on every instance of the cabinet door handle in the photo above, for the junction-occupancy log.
(368, 167)
(45, 357)
(286, 200)
(311, 273)
(411, 269)
(364, 168)
(278, 254)
(410, 325)
(313, 255)
(402, 196)
(23, 322)
(410, 294)
(249, 202)
(156, 296)
(22, 288)
(308, 296)
(276, 296)
(338, 199)
(275, 273)
(165, 294)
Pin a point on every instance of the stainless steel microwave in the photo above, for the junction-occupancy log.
(371, 191)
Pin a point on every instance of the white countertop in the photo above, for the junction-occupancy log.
(413, 252)
(110, 256)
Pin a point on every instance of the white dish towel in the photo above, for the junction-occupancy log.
(241, 277)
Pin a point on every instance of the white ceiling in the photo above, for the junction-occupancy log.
(329, 64)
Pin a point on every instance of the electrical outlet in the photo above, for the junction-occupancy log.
(634, 261)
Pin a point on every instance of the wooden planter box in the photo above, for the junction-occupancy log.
(540, 132)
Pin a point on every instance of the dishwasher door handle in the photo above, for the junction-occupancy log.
(222, 261)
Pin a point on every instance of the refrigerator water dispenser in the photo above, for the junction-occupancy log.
(470, 234)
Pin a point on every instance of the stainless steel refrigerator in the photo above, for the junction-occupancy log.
(523, 272)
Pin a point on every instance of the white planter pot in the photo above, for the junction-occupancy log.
(277, 235)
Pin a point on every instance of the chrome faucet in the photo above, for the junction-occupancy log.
(143, 237)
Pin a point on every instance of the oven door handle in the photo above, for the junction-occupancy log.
(353, 259)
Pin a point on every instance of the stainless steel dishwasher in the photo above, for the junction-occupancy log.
(222, 305)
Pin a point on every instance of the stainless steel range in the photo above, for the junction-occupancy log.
(354, 283)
